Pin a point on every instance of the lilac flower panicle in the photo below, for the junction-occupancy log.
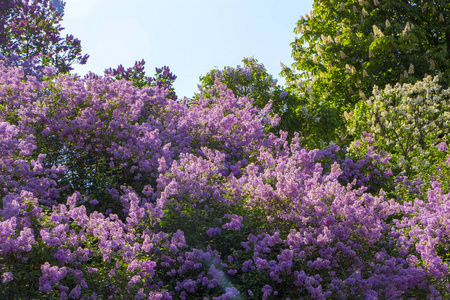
(6, 277)
(442, 146)
(75, 292)
(235, 224)
(213, 231)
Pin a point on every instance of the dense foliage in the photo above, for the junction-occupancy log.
(345, 48)
(407, 120)
(111, 188)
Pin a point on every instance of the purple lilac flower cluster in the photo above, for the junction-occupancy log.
(113, 191)
(360, 163)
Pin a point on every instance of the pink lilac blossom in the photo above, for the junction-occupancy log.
(6, 277)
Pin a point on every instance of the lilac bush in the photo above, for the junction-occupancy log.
(136, 74)
(361, 163)
(112, 191)
(31, 36)
(252, 80)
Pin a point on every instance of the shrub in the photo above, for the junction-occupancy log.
(109, 190)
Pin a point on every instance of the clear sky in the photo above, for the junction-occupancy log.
(191, 37)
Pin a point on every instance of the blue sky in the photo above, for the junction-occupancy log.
(191, 37)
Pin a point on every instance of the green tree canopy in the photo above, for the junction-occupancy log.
(348, 47)
(407, 120)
